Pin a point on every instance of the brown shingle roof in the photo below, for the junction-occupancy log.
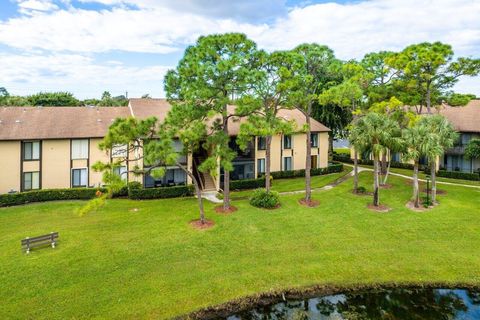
(23, 123)
(464, 119)
(143, 108)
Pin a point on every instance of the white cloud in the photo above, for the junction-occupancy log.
(30, 73)
(161, 26)
(30, 7)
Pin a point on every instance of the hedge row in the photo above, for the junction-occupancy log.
(161, 193)
(400, 165)
(47, 195)
(337, 167)
(459, 175)
(247, 184)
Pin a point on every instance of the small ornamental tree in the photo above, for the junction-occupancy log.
(211, 74)
(269, 93)
(472, 151)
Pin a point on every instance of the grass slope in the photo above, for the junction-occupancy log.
(116, 263)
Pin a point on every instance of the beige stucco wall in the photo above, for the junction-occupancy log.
(95, 178)
(9, 166)
(323, 149)
(55, 164)
(299, 151)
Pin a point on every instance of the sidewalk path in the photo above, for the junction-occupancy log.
(411, 178)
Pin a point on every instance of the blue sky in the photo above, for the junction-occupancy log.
(88, 46)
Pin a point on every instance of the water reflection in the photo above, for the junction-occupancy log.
(434, 304)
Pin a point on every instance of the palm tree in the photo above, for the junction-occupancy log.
(355, 139)
(445, 137)
(378, 132)
(417, 138)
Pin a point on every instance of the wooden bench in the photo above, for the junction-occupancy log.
(50, 239)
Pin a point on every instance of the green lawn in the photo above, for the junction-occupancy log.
(116, 263)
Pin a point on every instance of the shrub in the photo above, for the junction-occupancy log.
(334, 167)
(262, 198)
(361, 190)
(48, 195)
(247, 184)
(459, 175)
(161, 193)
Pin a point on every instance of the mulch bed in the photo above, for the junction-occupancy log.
(197, 224)
(386, 186)
(380, 208)
(219, 209)
(310, 204)
(411, 206)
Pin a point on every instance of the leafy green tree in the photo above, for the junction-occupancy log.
(444, 137)
(318, 68)
(269, 93)
(427, 70)
(210, 75)
(379, 77)
(377, 132)
(108, 101)
(55, 99)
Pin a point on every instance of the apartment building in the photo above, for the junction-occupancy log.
(466, 121)
(55, 147)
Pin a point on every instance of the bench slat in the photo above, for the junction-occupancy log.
(41, 238)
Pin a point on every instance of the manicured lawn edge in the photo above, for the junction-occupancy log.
(266, 298)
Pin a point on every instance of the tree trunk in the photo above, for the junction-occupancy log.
(198, 191)
(388, 172)
(428, 101)
(268, 142)
(384, 163)
(416, 194)
(376, 200)
(355, 171)
(226, 174)
(433, 174)
(308, 162)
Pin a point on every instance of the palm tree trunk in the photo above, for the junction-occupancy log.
(388, 172)
(355, 171)
(416, 194)
(376, 200)
(384, 163)
(308, 162)
(433, 174)
(268, 142)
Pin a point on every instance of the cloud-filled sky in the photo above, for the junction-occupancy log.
(88, 46)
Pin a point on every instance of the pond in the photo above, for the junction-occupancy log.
(375, 304)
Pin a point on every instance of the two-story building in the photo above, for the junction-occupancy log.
(55, 147)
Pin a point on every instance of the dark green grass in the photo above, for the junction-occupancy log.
(116, 263)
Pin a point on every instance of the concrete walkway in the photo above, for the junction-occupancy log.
(421, 180)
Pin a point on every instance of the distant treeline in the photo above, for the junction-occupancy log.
(56, 99)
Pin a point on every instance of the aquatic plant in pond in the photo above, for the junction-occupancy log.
(396, 303)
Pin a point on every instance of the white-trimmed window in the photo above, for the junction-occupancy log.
(119, 151)
(79, 149)
(261, 143)
(31, 180)
(121, 171)
(287, 163)
(261, 166)
(31, 150)
(79, 177)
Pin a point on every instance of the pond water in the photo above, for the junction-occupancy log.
(388, 304)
